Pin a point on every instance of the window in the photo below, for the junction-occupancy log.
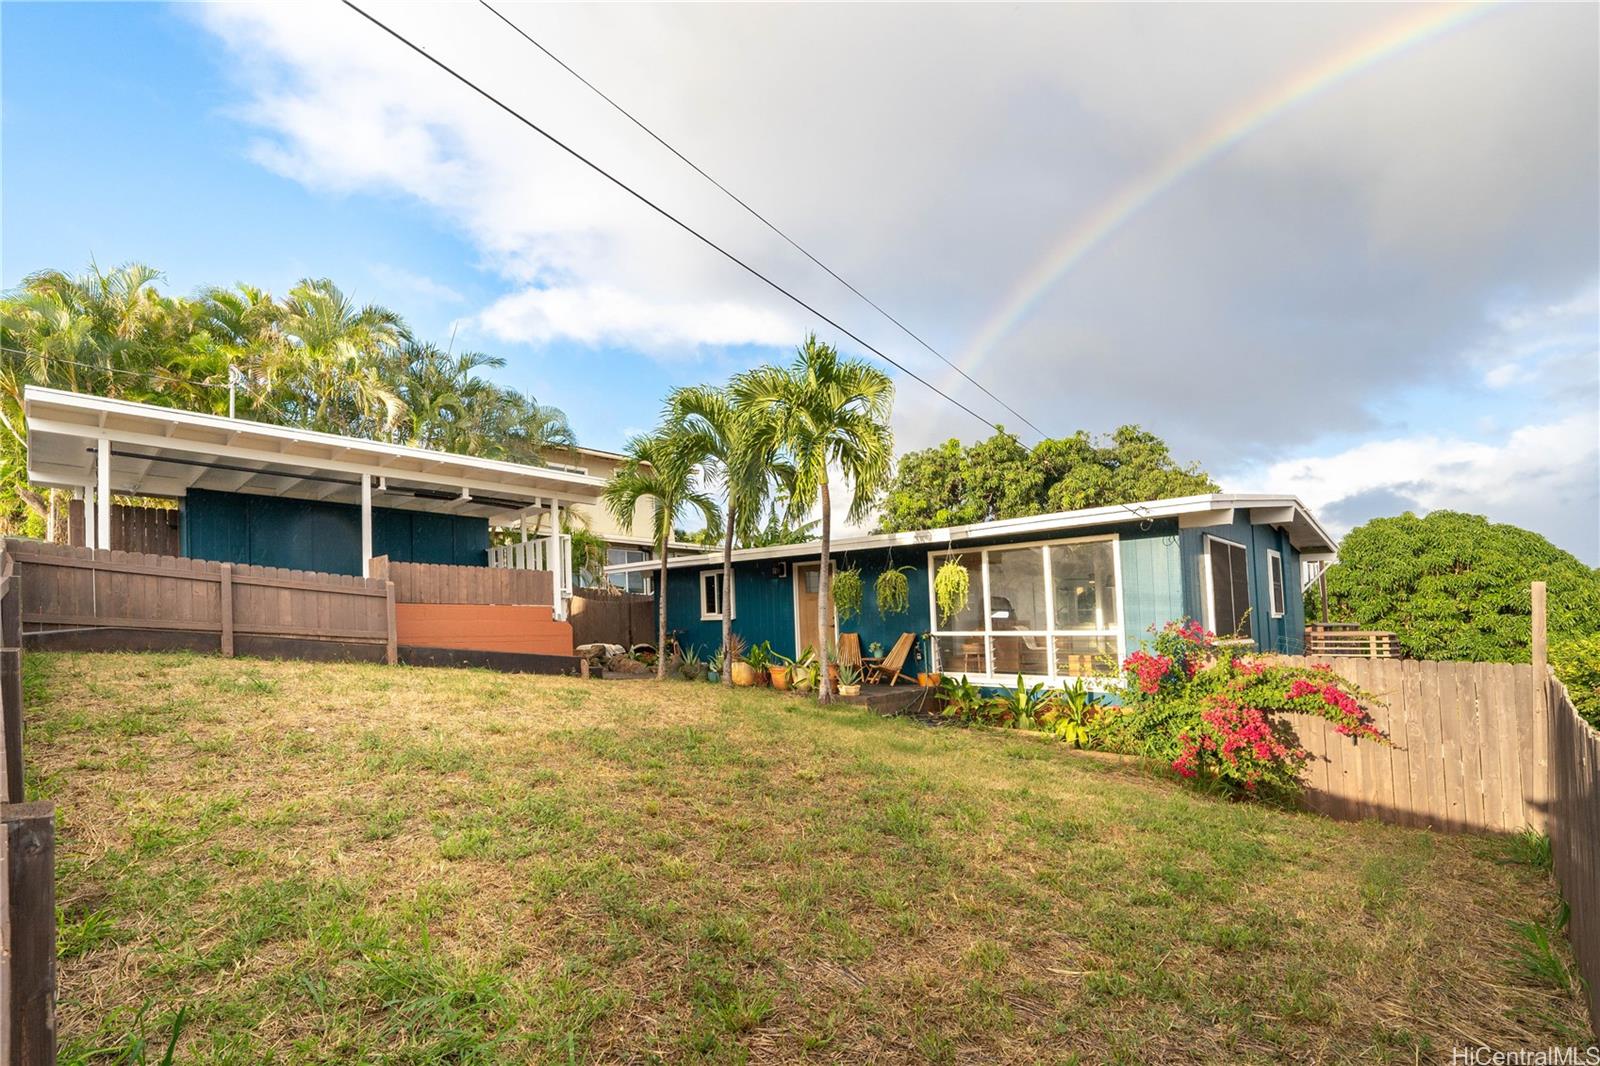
(1228, 588)
(568, 468)
(1275, 579)
(711, 596)
(635, 582)
(1040, 610)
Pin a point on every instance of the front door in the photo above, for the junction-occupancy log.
(807, 587)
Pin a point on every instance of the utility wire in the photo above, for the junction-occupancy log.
(657, 208)
(730, 194)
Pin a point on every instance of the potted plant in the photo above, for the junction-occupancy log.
(875, 649)
(781, 671)
(849, 679)
(691, 666)
(806, 673)
(847, 593)
(714, 667)
(952, 585)
(756, 659)
(893, 591)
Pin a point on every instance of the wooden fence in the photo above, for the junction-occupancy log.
(1471, 747)
(1333, 638)
(27, 866)
(1572, 811)
(435, 583)
(153, 530)
(70, 594)
(622, 618)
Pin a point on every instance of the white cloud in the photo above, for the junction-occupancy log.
(604, 313)
(415, 284)
(1544, 477)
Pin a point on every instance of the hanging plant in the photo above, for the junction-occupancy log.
(951, 587)
(847, 593)
(893, 591)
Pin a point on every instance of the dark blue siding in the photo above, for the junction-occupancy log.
(325, 537)
(1286, 634)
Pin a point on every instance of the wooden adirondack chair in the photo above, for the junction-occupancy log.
(850, 650)
(891, 668)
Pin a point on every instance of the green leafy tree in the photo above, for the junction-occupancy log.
(1457, 586)
(829, 413)
(737, 445)
(660, 468)
(1000, 478)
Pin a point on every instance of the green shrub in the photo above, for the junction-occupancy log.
(1577, 664)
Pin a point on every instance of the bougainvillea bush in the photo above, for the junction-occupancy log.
(1214, 715)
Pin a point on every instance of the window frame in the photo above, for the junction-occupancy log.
(722, 600)
(1049, 634)
(1211, 596)
(1277, 590)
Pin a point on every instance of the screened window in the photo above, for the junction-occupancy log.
(1040, 610)
(711, 595)
(1275, 577)
(1228, 575)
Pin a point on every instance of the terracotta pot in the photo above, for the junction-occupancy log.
(780, 677)
(849, 690)
(744, 675)
(929, 680)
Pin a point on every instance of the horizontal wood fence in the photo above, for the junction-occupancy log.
(1347, 640)
(623, 618)
(154, 530)
(437, 583)
(253, 609)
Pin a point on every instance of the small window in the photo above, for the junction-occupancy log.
(711, 596)
(1228, 568)
(1275, 576)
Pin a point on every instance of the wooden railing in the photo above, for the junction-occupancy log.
(1341, 638)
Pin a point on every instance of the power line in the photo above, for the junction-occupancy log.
(657, 208)
(759, 216)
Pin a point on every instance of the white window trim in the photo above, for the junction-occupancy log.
(1276, 590)
(1211, 599)
(1053, 677)
(728, 601)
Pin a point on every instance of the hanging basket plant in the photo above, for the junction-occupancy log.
(893, 591)
(847, 593)
(952, 586)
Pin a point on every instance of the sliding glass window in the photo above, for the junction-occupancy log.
(1049, 610)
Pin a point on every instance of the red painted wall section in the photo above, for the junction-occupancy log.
(481, 627)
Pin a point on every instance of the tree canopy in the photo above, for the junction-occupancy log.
(1456, 586)
(312, 358)
(1000, 478)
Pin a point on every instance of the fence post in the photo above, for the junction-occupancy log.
(1541, 645)
(10, 679)
(392, 650)
(28, 933)
(227, 610)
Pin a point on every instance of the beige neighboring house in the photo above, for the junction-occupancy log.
(633, 543)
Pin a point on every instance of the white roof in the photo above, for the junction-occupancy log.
(1285, 512)
(163, 451)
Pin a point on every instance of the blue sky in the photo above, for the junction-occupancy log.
(1383, 298)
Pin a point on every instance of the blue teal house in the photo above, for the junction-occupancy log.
(1052, 597)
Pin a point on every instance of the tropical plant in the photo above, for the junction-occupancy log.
(849, 674)
(828, 413)
(953, 484)
(735, 445)
(952, 586)
(1457, 586)
(847, 593)
(1019, 707)
(892, 590)
(691, 665)
(659, 468)
(760, 656)
(961, 698)
(1071, 713)
(806, 669)
(1577, 664)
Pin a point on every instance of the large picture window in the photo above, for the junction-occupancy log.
(1041, 610)
(1228, 589)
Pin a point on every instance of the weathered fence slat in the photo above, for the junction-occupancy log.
(28, 932)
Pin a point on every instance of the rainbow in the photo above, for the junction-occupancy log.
(1117, 211)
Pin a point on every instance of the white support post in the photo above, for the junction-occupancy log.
(522, 559)
(366, 525)
(552, 558)
(88, 516)
(103, 495)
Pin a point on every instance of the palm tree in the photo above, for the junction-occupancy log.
(332, 361)
(827, 412)
(740, 456)
(660, 467)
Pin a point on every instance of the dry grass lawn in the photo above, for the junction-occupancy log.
(340, 863)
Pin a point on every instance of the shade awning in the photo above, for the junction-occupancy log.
(161, 451)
